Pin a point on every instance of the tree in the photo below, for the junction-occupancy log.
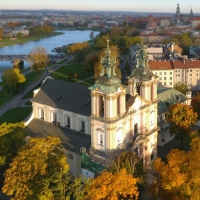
(91, 60)
(196, 104)
(132, 163)
(38, 58)
(19, 35)
(181, 87)
(101, 41)
(12, 80)
(77, 46)
(98, 67)
(108, 186)
(12, 138)
(39, 171)
(1, 33)
(181, 118)
(179, 177)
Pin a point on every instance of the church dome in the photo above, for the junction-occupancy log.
(104, 80)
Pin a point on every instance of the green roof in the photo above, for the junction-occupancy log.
(167, 97)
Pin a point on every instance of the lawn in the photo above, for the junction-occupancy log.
(70, 70)
(89, 82)
(15, 115)
(30, 93)
(32, 76)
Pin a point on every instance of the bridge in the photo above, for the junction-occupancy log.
(12, 57)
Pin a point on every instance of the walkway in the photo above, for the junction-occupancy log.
(15, 101)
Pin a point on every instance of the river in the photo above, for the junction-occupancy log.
(49, 43)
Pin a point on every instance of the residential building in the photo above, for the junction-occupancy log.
(194, 21)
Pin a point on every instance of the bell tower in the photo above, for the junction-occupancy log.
(108, 106)
(142, 81)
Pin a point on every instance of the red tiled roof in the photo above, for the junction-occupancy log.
(161, 65)
(178, 64)
(194, 19)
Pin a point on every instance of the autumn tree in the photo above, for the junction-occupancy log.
(132, 163)
(12, 138)
(12, 80)
(39, 171)
(196, 104)
(77, 46)
(101, 41)
(1, 33)
(181, 87)
(38, 58)
(178, 178)
(108, 186)
(181, 118)
(98, 67)
(91, 60)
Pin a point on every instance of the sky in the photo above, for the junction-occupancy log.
(105, 5)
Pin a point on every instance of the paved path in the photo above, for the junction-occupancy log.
(15, 101)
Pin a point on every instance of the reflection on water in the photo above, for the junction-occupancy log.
(49, 43)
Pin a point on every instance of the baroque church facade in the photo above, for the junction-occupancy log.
(113, 114)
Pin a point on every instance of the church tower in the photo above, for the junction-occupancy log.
(108, 107)
(142, 85)
(178, 14)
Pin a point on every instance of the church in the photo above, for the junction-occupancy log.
(105, 117)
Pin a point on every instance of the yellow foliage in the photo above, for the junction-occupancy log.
(77, 46)
(110, 186)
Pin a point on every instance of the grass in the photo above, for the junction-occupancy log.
(89, 82)
(4, 98)
(32, 76)
(28, 103)
(15, 115)
(7, 42)
(63, 72)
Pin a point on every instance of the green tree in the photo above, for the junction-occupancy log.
(101, 41)
(38, 58)
(91, 60)
(19, 36)
(181, 87)
(181, 118)
(12, 80)
(39, 171)
(12, 138)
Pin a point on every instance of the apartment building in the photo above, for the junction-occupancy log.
(174, 71)
(165, 71)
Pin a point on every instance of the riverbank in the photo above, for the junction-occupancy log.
(8, 42)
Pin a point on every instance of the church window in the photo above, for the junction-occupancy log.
(136, 128)
(82, 126)
(136, 151)
(152, 156)
(101, 141)
(138, 88)
(67, 121)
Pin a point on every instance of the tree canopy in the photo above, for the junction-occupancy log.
(179, 177)
(108, 186)
(1, 33)
(12, 80)
(77, 46)
(196, 104)
(12, 138)
(38, 58)
(181, 118)
(181, 87)
(39, 171)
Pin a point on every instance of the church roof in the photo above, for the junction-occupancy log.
(64, 95)
(70, 139)
(108, 85)
(167, 97)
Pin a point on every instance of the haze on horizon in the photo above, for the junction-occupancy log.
(104, 5)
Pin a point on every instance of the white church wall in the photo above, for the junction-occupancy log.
(77, 122)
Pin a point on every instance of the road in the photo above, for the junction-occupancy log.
(15, 101)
